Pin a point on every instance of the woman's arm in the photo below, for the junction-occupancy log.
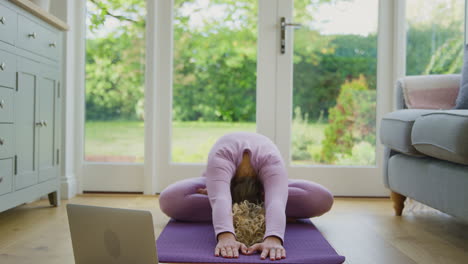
(275, 184)
(218, 181)
(219, 194)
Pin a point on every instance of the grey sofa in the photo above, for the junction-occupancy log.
(426, 151)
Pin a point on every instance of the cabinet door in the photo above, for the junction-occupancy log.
(47, 92)
(25, 123)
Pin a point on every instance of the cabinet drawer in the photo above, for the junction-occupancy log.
(6, 141)
(6, 105)
(7, 69)
(8, 20)
(6, 175)
(38, 39)
(51, 44)
(29, 35)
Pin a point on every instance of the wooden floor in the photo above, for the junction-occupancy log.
(363, 230)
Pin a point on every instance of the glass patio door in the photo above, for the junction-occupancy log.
(327, 94)
(235, 68)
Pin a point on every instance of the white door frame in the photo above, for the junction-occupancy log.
(157, 171)
(165, 172)
(96, 176)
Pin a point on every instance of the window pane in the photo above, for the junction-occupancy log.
(215, 65)
(115, 67)
(334, 100)
(435, 34)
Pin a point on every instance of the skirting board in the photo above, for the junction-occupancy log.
(68, 186)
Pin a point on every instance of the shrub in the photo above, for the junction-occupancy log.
(351, 120)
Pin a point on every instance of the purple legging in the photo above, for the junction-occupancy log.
(182, 202)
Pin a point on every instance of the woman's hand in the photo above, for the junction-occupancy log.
(228, 246)
(270, 246)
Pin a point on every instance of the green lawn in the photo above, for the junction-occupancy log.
(123, 141)
(107, 140)
(193, 140)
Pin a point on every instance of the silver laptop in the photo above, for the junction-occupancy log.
(111, 235)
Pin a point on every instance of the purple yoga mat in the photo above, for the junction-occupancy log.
(183, 242)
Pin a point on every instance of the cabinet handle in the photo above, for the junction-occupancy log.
(2, 141)
(2, 103)
(2, 66)
(32, 35)
(53, 44)
(39, 124)
(3, 20)
(44, 123)
(1, 179)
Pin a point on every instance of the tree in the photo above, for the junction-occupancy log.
(215, 59)
(435, 36)
(114, 59)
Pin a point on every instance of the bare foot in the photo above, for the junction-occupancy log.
(202, 191)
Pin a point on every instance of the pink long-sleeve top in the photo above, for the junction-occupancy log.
(223, 160)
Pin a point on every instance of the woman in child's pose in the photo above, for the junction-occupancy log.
(245, 191)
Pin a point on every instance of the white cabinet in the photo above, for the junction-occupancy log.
(30, 117)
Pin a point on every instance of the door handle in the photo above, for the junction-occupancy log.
(283, 25)
(39, 124)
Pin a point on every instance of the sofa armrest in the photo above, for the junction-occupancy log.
(418, 91)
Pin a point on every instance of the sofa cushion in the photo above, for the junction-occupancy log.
(443, 135)
(395, 129)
